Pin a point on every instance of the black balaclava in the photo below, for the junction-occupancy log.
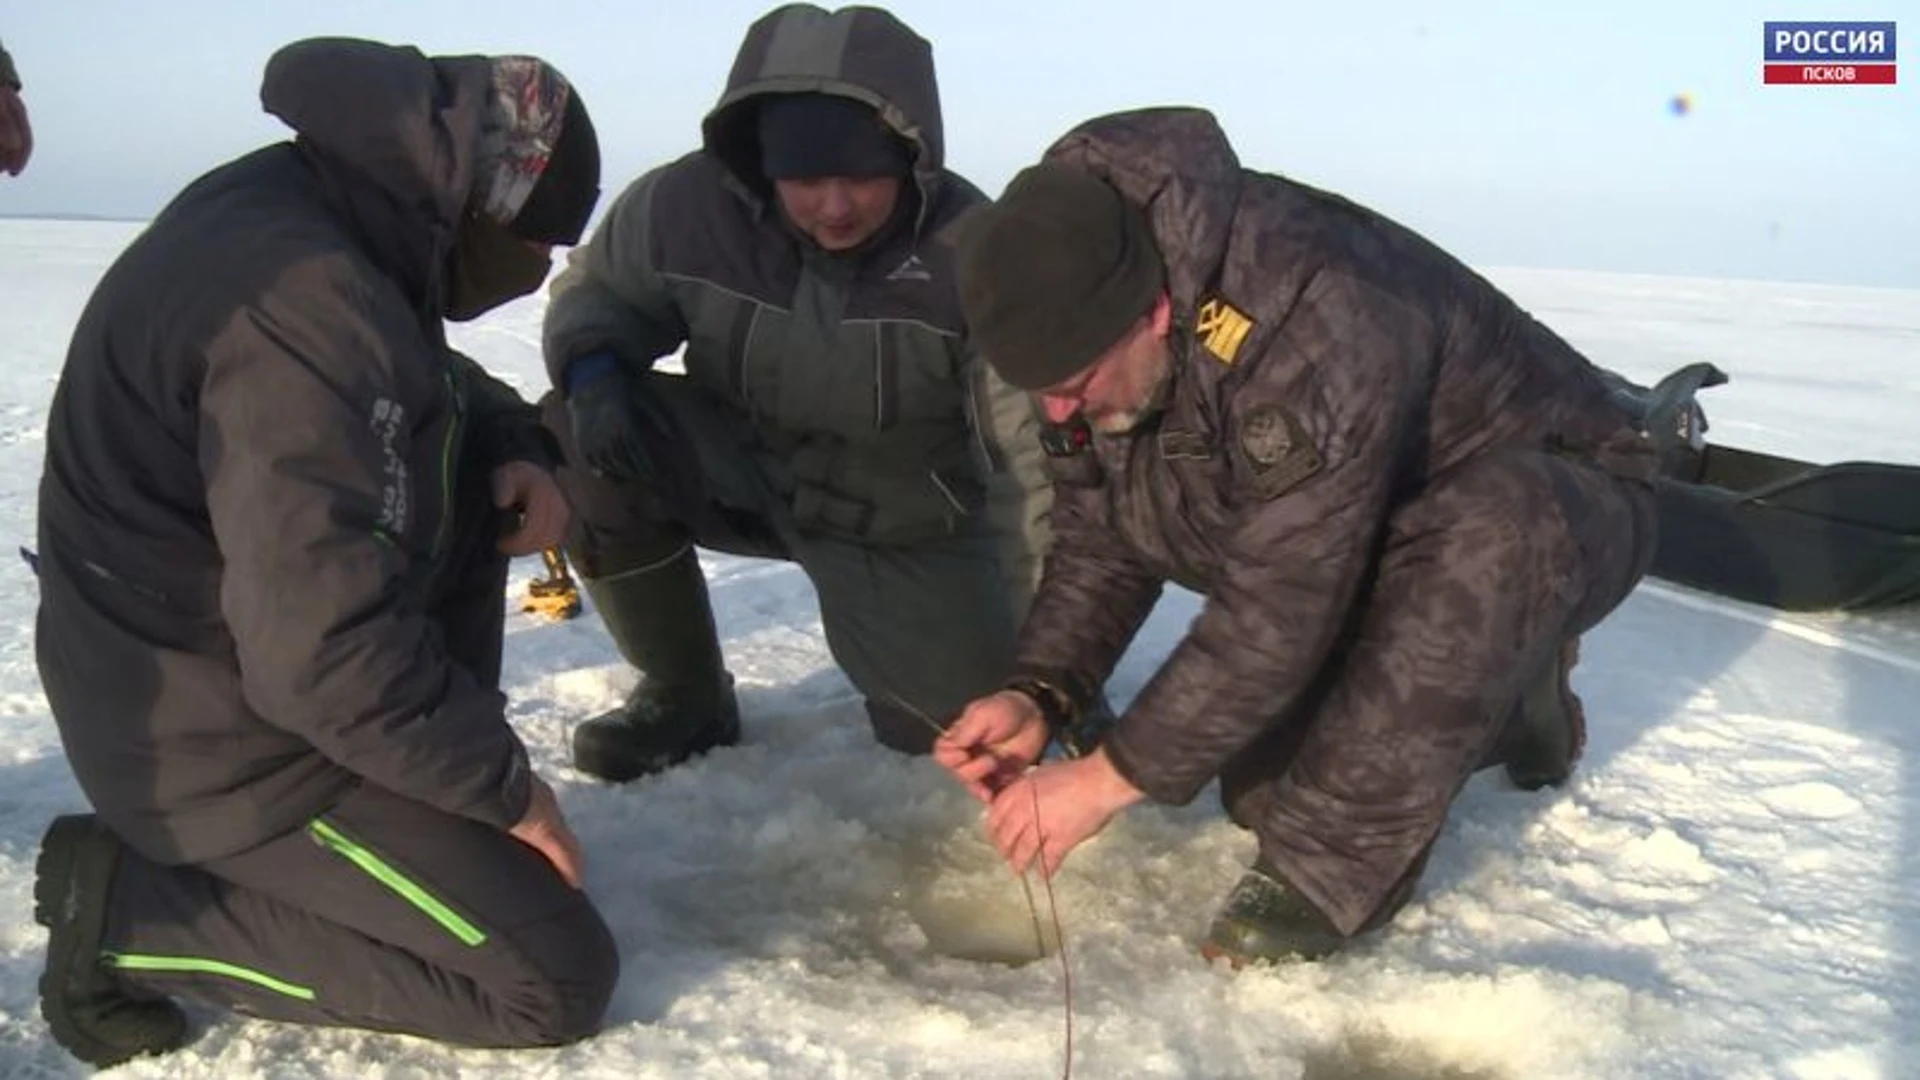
(538, 179)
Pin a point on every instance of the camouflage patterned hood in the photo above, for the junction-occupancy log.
(862, 53)
(1178, 164)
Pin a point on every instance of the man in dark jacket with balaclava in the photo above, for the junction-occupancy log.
(833, 411)
(1402, 498)
(274, 527)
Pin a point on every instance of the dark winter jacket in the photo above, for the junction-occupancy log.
(1329, 364)
(251, 462)
(8, 76)
(874, 416)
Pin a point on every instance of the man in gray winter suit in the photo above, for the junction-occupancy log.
(833, 411)
(1402, 498)
(274, 526)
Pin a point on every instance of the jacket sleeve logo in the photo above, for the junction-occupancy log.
(1222, 329)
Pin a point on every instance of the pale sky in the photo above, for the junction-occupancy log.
(1513, 132)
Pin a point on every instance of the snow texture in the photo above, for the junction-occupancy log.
(1726, 889)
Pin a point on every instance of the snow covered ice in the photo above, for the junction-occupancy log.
(1728, 887)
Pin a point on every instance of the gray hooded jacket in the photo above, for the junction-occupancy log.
(249, 492)
(873, 414)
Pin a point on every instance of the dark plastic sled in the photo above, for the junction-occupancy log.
(1791, 535)
(1772, 530)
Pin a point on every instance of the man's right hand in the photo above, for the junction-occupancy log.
(996, 739)
(606, 428)
(544, 829)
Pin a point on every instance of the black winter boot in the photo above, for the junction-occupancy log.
(1548, 729)
(99, 1020)
(661, 621)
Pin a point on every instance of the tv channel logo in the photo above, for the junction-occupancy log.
(1829, 53)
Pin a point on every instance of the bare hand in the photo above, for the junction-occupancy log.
(997, 738)
(16, 135)
(1053, 809)
(544, 829)
(531, 491)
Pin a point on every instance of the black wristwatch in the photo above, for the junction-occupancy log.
(1060, 711)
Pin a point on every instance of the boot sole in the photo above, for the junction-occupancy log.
(62, 850)
(55, 863)
(1211, 952)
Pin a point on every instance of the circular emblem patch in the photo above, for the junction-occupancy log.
(1266, 436)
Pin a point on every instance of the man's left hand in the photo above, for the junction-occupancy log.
(1052, 809)
(530, 491)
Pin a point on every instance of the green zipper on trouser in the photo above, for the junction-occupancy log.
(458, 407)
(193, 965)
(405, 887)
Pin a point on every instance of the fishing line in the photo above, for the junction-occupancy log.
(1033, 909)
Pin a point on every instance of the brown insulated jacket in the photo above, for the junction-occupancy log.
(1329, 362)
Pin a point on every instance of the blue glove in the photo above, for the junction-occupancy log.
(606, 428)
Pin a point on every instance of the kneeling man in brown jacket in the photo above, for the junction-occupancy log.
(1402, 498)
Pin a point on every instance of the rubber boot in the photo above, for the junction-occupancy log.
(661, 621)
